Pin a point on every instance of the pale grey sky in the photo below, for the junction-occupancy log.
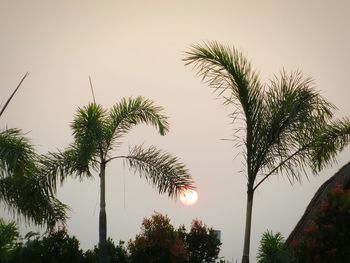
(135, 48)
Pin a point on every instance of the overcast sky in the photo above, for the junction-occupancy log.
(132, 48)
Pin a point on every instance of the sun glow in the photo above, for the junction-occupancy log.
(189, 197)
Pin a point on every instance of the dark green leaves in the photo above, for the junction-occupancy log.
(272, 249)
(23, 189)
(161, 169)
(16, 153)
(130, 112)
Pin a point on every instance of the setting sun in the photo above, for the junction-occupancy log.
(189, 197)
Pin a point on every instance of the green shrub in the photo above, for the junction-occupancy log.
(273, 249)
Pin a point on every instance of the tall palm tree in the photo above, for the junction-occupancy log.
(98, 132)
(23, 189)
(287, 126)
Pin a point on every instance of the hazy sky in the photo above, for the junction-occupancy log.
(132, 48)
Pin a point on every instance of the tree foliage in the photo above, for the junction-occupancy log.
(55, 247)
(327, 236)
(159, 242)
(201, 242)
(273, 249)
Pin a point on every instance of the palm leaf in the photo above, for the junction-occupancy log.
(130, 112)
(161, 169)
(71, 162)
(230, 74)
(26, 196)
(16, 153)
(294, 112)
(329, 141)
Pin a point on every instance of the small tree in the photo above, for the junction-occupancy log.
(158, 242)
(202, 243)
(273, 249)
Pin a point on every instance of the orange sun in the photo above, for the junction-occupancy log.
(189, 197)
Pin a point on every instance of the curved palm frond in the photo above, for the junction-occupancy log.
(132, 111)
(229, 73)
(161, 169)
(226, 69)
(17, 156)
(328, 142)
(24, 196)
(71, 162)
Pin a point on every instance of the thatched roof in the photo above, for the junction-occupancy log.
(341, 177)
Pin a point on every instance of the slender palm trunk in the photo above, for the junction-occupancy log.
(248, 223)
(102, 219)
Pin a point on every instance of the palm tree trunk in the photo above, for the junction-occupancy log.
(102, 219)
(248, 223)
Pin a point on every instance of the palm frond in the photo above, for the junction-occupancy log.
(130, 112)
(71, 162)
(328, 142)
(226, 69)
(26, 196)
(294, 111)
(17, 155)
(228, 72)
(161, 169)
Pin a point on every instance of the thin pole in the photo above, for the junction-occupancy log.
(92, 90)
(13, 94)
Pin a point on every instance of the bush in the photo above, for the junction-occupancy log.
(327, 238)
(56, 247)
(273, 249)
(158, 242)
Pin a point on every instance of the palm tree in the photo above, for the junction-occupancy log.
(98, 132)
(23, 189)
(287, 126)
